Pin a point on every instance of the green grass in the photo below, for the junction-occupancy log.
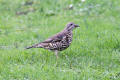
(93, 55)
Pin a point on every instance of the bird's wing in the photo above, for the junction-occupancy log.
(56, 38)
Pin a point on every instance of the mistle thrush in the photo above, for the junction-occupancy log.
(59, 41)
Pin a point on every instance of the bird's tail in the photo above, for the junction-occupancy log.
(29, 47)
(34, 46)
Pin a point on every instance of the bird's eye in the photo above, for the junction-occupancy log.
(71, 24)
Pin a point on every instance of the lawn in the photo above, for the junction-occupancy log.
(93, 55)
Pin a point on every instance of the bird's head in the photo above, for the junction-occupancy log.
(71, 26)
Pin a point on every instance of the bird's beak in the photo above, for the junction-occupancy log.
(76, 25)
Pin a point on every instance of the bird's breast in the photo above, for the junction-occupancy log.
(69, 38)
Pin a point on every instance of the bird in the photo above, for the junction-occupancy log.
(59, 41)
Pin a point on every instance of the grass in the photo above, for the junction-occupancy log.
(93, 55)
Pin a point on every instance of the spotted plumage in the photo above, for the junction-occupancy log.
(58, 42)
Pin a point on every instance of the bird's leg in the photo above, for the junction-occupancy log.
(56, 54)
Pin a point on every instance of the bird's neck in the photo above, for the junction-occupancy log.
(68, 30)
